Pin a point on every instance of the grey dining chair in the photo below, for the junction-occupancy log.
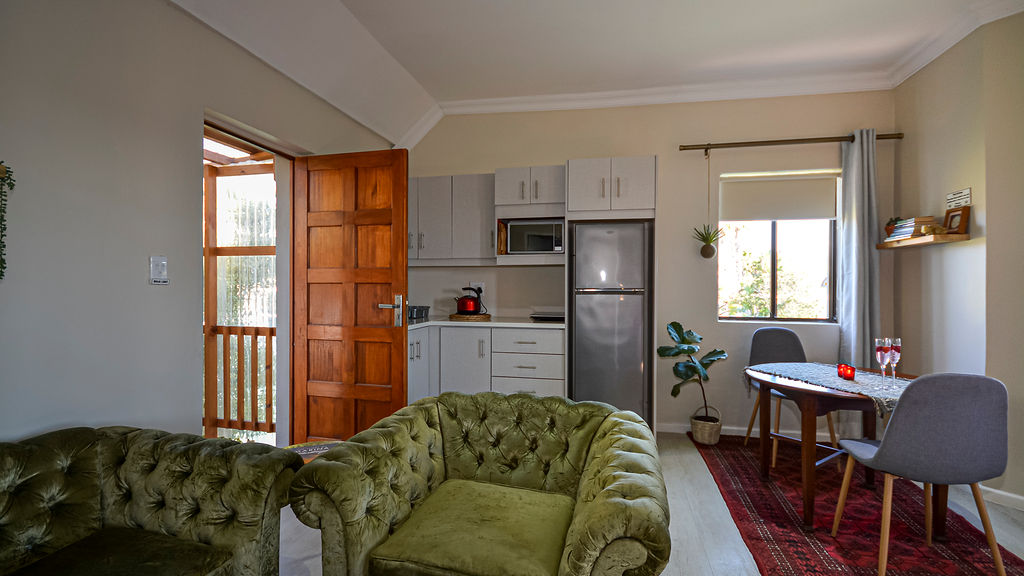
(778, 345)
(946, 429)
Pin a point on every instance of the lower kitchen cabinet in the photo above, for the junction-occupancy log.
(537, 386)
(419, 365)
(465, 359)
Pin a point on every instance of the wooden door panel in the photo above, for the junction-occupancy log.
(350, 255)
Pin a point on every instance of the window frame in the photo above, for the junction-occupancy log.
(773, 290)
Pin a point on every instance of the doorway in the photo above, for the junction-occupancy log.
(239, 289)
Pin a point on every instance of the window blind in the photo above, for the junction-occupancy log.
(777, 198)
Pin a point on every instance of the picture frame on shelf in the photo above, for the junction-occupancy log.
(957, 219)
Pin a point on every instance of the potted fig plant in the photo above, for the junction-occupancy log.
(706, 428)
(707, 237)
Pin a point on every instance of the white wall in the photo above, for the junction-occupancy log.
(101, 115)
(686, 286)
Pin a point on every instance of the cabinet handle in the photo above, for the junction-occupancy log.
(522, 189)
(480, 345)
(524, 342)
(536, 189)
(417, 350)
(411, 240)
(618, 187)
(527, 367)
(421, 241)
(602, 187)
(411, 356)
(492, 238)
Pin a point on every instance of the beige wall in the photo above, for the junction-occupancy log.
(508, 290)
(686, 285)
(101, 115)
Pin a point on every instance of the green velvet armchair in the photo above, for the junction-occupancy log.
(121, 500)
(491, 485)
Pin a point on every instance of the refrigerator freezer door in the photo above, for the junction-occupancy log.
(608, 350)
(609, 256)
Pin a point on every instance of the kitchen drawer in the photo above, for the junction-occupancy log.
(537, 386)
(530, 341)
(527, 365)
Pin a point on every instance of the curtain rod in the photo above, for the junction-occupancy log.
(755, 143)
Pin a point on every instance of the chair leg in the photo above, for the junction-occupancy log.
(775, 441)
(989, 534)
(753, 416)
(843, 491)
(927, 514)
(835, 441)
(883, 545)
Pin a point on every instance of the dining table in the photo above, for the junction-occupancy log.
(814, 391)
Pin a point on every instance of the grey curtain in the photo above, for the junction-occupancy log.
(857, 289)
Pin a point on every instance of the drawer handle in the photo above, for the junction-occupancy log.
(526, 367)
(524, 342)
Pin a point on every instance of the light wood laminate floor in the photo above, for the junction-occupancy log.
(705, 540)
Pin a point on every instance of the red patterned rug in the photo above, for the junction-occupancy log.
(770, 518)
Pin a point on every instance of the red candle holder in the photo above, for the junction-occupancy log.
(846, 372)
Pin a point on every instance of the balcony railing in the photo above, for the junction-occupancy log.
(231, 372)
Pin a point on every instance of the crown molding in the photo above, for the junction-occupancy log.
(977, 17)
(420, 128)
(774, 87)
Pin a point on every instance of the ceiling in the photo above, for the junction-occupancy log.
(398, 66)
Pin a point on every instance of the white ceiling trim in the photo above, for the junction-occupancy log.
(918, 59)
(825, 84)
(425, 124)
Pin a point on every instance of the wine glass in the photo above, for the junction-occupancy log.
(894, 356)
(883, 348)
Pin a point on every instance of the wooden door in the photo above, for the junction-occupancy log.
(589, 184)
(510, 186)
(548, 184)
(435, 216)
(633, 182)
(473, 215)
(465, 359)
(350, 254)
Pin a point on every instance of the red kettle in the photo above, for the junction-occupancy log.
(470, 304)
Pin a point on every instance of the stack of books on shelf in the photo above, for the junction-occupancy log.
(910, 228)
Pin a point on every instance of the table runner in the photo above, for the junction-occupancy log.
(882, 391)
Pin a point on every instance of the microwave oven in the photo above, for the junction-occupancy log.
(535, 236)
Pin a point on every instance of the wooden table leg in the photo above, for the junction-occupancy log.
(940, 496)
(808, 454)
(870, 431)
(765, 400)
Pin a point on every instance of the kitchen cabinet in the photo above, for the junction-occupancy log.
(414, 227)
(434, 217)
(621, 183)
(465, 359)
(529, 185)
(419, 365)
(473, 216)
(528, 360)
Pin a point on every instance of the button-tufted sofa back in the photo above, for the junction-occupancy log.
(518, 440)
(60, 487)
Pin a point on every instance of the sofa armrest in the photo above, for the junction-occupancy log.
(359, 491)
(621, 518)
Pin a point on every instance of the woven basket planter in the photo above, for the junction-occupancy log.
(703, 431)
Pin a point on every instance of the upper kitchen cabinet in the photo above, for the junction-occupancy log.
(434, 204)
(414, 227)
(529, 185)
(602, 184)
(473, 215)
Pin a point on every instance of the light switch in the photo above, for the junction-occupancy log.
(158, 270)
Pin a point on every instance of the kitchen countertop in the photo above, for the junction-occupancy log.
(495, 322)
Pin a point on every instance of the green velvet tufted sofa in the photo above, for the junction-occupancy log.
(491, 485)
(118, 500)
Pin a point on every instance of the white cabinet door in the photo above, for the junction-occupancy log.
(414, 226)
(548, 184)
(511, 186)
(435, 216)
(589, 183)
(465, 359)
(535, 386)
(473, 216)
(633, 182)
(419, 365)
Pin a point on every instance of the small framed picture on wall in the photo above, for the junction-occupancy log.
(957, 220)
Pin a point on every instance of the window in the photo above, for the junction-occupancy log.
(776, 258)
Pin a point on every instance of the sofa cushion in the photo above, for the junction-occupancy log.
(518, 440)
(477, 529)
(129, 552)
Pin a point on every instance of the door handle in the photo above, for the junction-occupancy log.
(418, 350)
(480, 346)
(536, 189)
(397, 307)
(522, 189)
(618, 187)
(602, 187)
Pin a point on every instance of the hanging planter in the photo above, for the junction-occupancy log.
(6, 185)
(707, 237)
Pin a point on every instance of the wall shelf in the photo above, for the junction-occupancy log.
(923, 241)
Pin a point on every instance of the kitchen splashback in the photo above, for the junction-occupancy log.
(509, 291)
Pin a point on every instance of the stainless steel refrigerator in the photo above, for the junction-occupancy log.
(611, 303)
